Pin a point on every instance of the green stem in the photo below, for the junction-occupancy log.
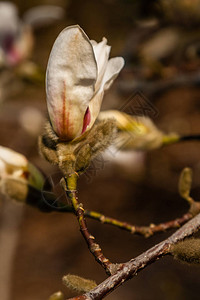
(174, 138)
(71, 182)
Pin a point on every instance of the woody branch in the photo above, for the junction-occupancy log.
(132, 267)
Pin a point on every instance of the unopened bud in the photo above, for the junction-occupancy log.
(134, 132)
(185, 183)
(57, 296)
(78, 283)
(187, 251)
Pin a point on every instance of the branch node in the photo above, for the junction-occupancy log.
(133, 229)
(102, 219)
(113, 268)
(80, 206)
(152, 225)
(95, 247)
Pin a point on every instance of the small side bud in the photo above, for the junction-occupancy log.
(47, 143)
(187, 251)
(113, 268)
(185, 183)
(57, 296)
(83, 158)
(99, 138)
(78, 283)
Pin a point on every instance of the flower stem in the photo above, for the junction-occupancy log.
(174, 138)
(71, 182)
(194, 137)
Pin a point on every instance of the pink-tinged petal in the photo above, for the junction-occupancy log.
(24, 43)
(87, 119)
(13, 57)
(70, 81)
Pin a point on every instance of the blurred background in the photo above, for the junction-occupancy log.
(160, 41)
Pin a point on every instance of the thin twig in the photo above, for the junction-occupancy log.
(131, 268)
(141, 230)
(94, 248)
(192, 137)
(146, 231)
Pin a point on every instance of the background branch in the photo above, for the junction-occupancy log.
(131, 268)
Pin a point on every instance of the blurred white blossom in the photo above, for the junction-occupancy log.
(134, 132)
(17, 174)
(16, 39)
(31, 120)
(42, 15)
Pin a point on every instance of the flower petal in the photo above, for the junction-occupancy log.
(95, 106)
(114, 66)
(70, 80)
(101, 51)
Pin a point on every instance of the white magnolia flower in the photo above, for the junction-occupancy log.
(16, 172)
(79, 71)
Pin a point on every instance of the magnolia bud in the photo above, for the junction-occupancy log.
(78, 283)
